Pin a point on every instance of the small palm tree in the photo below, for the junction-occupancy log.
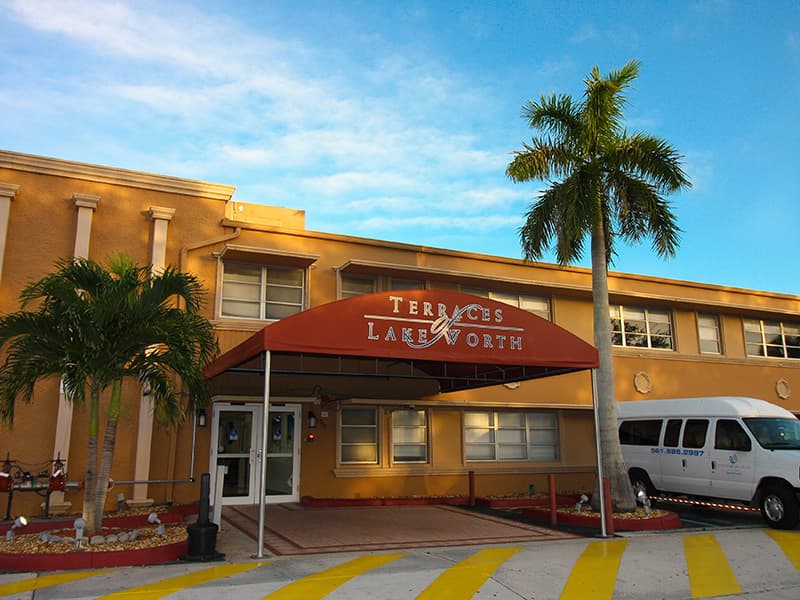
(604, 184)
(94, 326)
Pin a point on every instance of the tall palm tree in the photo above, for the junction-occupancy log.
(605, 184)
(95, 326)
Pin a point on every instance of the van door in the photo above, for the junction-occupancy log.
(731, 461)
(686, 467)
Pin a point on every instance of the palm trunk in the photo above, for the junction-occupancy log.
(614, 469)
(107, 456)
(90, 481)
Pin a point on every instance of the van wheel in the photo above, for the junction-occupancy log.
(779, 507)
(640, 481)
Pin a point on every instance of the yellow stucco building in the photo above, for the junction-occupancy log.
(260, 264)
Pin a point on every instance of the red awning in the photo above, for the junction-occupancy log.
(450, 340)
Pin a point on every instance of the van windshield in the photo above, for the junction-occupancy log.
(775, 433)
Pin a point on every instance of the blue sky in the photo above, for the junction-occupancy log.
(396, 120)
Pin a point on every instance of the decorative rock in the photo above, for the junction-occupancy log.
(123, 537)
(110, 539)
(134, 535)
(97, 539)
(44, 536)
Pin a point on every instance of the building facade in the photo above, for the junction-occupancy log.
(260, 265)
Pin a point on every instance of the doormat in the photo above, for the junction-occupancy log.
(294, 529)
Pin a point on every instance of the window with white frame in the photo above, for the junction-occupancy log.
(491, 435)
(537, 305)
(409, 436)
(635, 327)
(261, 292)
(708, 334)
(772, 339)
(359, 435)
(357, 286)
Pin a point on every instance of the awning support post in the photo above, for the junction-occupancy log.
(599, 455)
(262, 497)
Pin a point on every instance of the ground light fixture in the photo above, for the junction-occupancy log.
(152, 518)
(18, 522)
(581, 501)
(312, 419)
(79, 525)
(641, 498)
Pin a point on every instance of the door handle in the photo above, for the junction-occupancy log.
(713, 465)
(683, 463)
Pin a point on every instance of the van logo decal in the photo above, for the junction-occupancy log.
(733, 459)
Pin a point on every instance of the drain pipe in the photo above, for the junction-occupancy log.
(183, 257)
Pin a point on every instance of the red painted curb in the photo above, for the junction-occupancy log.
(669, 521)
(335, 502)
(93, 560)
(58, 561)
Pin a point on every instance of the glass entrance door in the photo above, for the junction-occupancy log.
(283, 453)
(236, 446)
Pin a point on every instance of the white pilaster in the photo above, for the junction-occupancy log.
(7, 193)
(144, 437)
(86, 206)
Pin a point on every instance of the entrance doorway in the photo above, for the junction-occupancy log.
(236, 445)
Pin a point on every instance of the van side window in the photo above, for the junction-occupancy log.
(694, 434)
(730, 436)
(640, 433)
(673, 433)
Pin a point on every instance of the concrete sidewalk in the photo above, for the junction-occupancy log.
(676, 565)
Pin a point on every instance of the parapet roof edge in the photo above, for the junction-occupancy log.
(102, 174)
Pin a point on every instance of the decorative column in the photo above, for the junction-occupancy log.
(86, 206)
(7, 193)
(144, 437)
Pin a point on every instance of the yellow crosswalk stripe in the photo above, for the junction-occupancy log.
(709, 571)
(44, 581)
(595, 572)
(789, 541)
(463, 580)
(165, 587)
(323, 583)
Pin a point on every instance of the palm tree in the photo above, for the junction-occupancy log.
(606, 184)
(95, 326)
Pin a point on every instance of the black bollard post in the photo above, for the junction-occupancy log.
(203, 534)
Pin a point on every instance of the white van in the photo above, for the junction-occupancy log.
(739, 449)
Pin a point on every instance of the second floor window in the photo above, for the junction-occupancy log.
(537, 305)
(772, 338)
(633, 327)
(356, 286)
(261, 292)
(708, 332)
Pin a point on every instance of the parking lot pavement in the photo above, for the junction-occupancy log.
(728, 563)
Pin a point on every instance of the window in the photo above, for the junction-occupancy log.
(406, 284)
(410, 436)
(534, 304)
(641, 328)
(640, 433)
(708, 333)
(730, 435)
(359, 441)
(356, 286)
(673, 433)
(510, 435)
(259, 292)
(772, 338)
(694, 434)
